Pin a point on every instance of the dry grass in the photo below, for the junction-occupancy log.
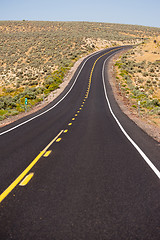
(138, 73)
(31, 52)
(149, 51)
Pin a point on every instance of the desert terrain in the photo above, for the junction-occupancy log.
(39, 58)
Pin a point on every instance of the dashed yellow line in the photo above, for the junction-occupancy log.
(20, 177)
(65, 131)
(46, 148)
(47, 153)
(59, 139)
(24, 173)
(73, 119)
(26, 179)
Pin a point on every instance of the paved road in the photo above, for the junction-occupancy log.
(85, 177)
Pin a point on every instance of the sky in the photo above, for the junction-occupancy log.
(137, 12)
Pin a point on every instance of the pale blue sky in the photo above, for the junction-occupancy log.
(141, 12)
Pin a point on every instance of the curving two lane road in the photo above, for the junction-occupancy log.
(83, 176)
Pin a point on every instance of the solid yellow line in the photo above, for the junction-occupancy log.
(91, 73)
(24, 173)
(47, 153)
(21, 176)
(26, 179)
(46, 148)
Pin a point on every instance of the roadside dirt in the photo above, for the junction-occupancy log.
(142, 121)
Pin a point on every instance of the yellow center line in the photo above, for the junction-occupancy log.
(24, 173)
(26, 179)
(20, 177)
(47, 153)
(59, 139)
(46, 148)
(65, 131)
(91, 73)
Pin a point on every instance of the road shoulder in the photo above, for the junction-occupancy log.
(149, 127)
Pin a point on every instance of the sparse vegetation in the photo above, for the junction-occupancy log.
(140, 74)
(35, 57)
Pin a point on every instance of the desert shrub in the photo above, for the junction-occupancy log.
(2, 102)
(30, 93)
(141, 80)
(39, 90)
(7, 102)
(155, 103)
(145, 74)
(151, 70)
(45, 45)
(48, 82)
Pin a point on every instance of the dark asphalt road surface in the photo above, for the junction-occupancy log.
(94, 185)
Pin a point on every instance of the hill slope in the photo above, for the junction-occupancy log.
(35, 56)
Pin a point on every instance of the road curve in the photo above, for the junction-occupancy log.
(70, 171)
